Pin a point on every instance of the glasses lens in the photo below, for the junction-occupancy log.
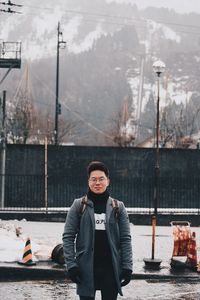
(95, 180)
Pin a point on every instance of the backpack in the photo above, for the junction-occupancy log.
(115, 206)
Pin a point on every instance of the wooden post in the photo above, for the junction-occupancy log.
(153, 236)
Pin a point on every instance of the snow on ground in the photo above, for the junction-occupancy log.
(45, 236)
(12, 246)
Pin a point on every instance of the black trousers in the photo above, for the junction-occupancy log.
(104, 281)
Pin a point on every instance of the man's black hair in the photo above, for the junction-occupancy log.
(97, 165)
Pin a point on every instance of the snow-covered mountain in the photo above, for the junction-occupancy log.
(81, 22)
(111, 46)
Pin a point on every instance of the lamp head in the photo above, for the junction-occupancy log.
(62, 44)
(158, 67)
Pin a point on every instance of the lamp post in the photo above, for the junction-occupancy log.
(158, 68)
(60, 45)
(3, 149)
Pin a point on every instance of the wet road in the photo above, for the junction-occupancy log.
(137, 289)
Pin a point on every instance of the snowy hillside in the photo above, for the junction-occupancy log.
(110, 49)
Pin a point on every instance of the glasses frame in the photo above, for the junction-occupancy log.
(95, 180)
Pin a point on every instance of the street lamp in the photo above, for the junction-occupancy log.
(60, 45)
(158, 68)
(3, 149)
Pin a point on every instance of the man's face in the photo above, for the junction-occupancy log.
(98, 182)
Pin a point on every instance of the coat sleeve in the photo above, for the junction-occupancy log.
(69, 235)
(125, 239)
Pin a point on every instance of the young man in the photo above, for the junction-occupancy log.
(97, 241)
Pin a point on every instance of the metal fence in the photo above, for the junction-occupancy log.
(28, 193)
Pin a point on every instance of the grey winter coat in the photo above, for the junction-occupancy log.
(78, 242)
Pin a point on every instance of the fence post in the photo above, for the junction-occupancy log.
(45, 175)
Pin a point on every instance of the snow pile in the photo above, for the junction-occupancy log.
(13, 240)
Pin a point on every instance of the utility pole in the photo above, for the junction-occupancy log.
(139, 100)
(3, 150)
(60, 45)
(10, 58)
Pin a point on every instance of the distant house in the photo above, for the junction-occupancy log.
(150, 142)
(187, 142)
(147, 143)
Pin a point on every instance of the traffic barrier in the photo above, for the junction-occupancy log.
(182, 236)
(192, 253)
(27, 256)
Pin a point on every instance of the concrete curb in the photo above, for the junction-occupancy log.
(49, 270)
(42, 271)
(150, 276)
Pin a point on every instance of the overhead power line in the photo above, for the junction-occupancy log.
(10, 11)
(109, 19)
(76, 114)
(9, 3)
(130, 19)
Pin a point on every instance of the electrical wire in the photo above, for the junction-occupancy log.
(130, 21)
(116, 16)
(78, 115)
(114, 23)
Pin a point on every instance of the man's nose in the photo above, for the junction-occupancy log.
(98, 181)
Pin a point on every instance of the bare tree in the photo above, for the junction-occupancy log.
(19, 124)
(66, 129)
(21, 115)
(42, 128)
(177, 132)
(123, 129)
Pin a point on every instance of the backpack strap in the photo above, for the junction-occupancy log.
(84, 202)
(115, 206)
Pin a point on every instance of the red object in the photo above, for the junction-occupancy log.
(192, 251)
(182, 236)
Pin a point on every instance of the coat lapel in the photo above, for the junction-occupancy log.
(91, 212)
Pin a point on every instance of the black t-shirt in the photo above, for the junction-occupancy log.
(102, 253)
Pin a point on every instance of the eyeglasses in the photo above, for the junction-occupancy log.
(95, 180)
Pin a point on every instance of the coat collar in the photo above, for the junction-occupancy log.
(109, 209)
